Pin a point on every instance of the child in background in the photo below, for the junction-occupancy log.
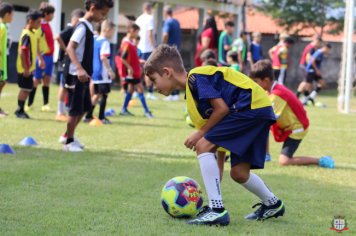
(46, 44)
(136, 41)
(102, 71)
(232, 60)
(26, 60)
(132, 70)
(209, 55)
(6, 15)
(292, 121)
(229, 110)
(78, 68)
(254, 53)
(63, 40)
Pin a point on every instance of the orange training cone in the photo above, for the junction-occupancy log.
(95, 122)
(132, 103)
(129, 105)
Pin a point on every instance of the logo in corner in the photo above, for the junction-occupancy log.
(339, 224)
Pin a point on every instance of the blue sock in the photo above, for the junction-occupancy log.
(127, 100)
(143, 101)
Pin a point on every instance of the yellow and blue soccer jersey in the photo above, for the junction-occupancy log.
(286, 119)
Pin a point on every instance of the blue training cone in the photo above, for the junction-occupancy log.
(107, 113)
(6, 149)
(28, 141)
(112, 111)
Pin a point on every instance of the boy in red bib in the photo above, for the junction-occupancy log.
(292, 121)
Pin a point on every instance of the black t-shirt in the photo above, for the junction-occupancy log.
(65, 35)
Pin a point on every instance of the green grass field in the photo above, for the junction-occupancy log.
(114, 187)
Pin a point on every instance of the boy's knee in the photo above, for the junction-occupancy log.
(283, 161)
(239, 176)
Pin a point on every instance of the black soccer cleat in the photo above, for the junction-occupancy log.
(208, 216)
(87, 119)
(105, 121)
(312, 101)
(266, 212)
(22, 115)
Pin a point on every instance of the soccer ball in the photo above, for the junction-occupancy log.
(182, 197)
(185, 112)
(189, 121)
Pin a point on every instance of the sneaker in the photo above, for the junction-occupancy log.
(4, 113)
(27, 108)
(61, 117)
(72, 147)
(149, 115)
(266, 212)
(87, 119)
(169, 98)
(327, 162)
(106, 121)
(151, 96)
(208, 216)
(135, 94)
(22, 115)
(310, 102)
(46, 108)
(268, 157)
(126, 113)
(175, 98)
(63, 139)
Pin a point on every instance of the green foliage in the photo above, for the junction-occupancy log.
(295, 15)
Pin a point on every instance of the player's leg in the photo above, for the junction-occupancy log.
(95, 96)
(321, 84)
(102, 109)
(47, 81)
(215, 214)
(220, 159)
(62, 93)
(130, 90)
(282, 76)
(307, 88)
(32, 94)
(141, 96)
(2, 113)
(301, 86)
(26, 86)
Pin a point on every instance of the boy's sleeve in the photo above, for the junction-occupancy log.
(78, 34)
(278, 105)
(205, 88)
(125, 51)
(105, 49)
(25, 42)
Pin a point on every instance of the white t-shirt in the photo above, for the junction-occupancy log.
(79, 37)
(146, 23)
(104, 51)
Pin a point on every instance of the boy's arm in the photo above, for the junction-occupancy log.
(105, 60)
(150, 36)
(270, 53)
(219, 112)
(61, 43)
(81, 73)
(317, 71)
(41, 62)
(26, 72)
(128, 67)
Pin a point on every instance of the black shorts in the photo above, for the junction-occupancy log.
(313, 77)
(290, 146)
(79, 100)
(102, 88)
(132, 81)
(25, 83)
(277, 73)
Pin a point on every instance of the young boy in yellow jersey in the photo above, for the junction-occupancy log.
(6, 14)
(26, 60)
(46, 44)
(230, 111)
(292, 121)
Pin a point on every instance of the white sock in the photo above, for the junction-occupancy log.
(210, 172)
(256, 186)
(60, 108)
(313, 94)
(305, 99)
(281, 76)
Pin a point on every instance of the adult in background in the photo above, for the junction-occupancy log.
(225, 42)
(171, 36)
(240, 47)
(307, 54)
(147, 43)
(208, 39)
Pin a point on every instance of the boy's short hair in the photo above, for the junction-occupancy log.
(232, 54)
(256, 34)
(261, 70)
(33, 15)
(229, 23)
(164, 56)
(97, 26)
(207, 54)
(98, 4)
(328, 45)
(132, 25)
(78, 13)
(289, 40)
(45, 7)
(138, 38)
(243, 32)
(147, 6)
(319, 39)
(5, 8)
(168, 9)
(107, 24)
(210, 62)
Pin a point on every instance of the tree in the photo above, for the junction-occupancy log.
(295, 15)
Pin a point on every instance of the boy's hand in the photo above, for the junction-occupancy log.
(130, 71)
(112, 74)
(142, 62)
(42, 64)
(26, 73)
(193, 139)
(82, 75)
(318, 73)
